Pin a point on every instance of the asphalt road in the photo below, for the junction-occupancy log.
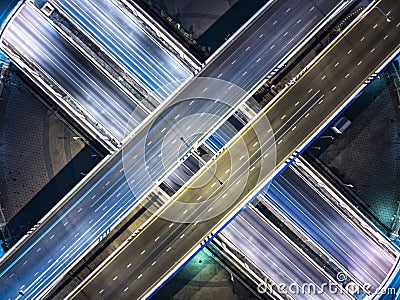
(275, 256)
(34, 36)
(308, 210)
(162, 244)
(154, 249)
(153, 67)
(214, 143)
(279, 29)
(96, 206)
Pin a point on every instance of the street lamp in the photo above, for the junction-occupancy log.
(388, 19)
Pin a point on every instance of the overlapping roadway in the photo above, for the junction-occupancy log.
(144, 58)
(96, 206)
(35, 38)
(284, 263)
(362, 258)
(163, 245)
(307, 208)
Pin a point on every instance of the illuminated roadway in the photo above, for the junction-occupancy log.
(274, 255)
(153, 67)
(96, 206)
(35, 38)
(161, 246)
(301, 202)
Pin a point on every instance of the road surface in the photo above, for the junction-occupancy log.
(96, 206)
(308, 210)
(151, 65)
(162, 245)
(34, 36)
(275, 256)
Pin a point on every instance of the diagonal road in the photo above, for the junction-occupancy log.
(163, 245)
(98, 204)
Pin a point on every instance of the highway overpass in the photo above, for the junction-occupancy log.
(96, 205)
(157, 70)
(163, 245)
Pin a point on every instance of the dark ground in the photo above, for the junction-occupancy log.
(37, 151)
(366, 157)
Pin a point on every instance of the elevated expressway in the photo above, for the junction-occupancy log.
(156, 251)
(104, 197)
(79, 84)
(324, 219)
(124, 40)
